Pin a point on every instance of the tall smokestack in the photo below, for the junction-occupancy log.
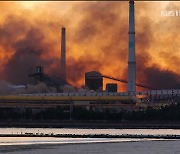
(63, 54)
(131, 51)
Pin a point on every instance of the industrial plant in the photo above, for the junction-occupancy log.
(92, 96)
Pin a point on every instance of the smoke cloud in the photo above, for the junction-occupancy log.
(8, 89)
(97, 39)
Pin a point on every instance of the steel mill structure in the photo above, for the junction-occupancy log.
(94, 81)
(131, 51)
(63, 54)
(37, 75)
(111, 87)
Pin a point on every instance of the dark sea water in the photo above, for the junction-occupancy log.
(132, 147)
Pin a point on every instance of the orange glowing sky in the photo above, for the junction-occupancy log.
(97, 37)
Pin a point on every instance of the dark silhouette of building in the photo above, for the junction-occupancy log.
(37, 75)
(94, 80)
(111, 87)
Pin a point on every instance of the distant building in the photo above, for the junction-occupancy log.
(37, 75)
(94, 81)
(111, 87)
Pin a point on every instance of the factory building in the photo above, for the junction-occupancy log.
(111, 87)
(37, 75)
(94, 81)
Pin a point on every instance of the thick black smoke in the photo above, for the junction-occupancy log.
(26, 43)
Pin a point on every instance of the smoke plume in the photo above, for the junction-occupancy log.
(97, 39)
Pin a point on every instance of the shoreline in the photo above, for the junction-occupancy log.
(90, 142)
(125, 136)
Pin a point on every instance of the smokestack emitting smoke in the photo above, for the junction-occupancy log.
(63, 54)
(25, 43)
(131, 50)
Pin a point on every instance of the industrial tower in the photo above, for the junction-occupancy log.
(131, 50)
(63, 54)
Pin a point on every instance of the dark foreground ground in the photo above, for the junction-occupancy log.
(142, 147)
(91, 124)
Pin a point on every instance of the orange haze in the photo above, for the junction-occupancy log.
(97, 39)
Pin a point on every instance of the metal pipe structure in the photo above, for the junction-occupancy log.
(63, 54)
(131, 51)
(125, 81)
(67, 98)
(50, 105)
